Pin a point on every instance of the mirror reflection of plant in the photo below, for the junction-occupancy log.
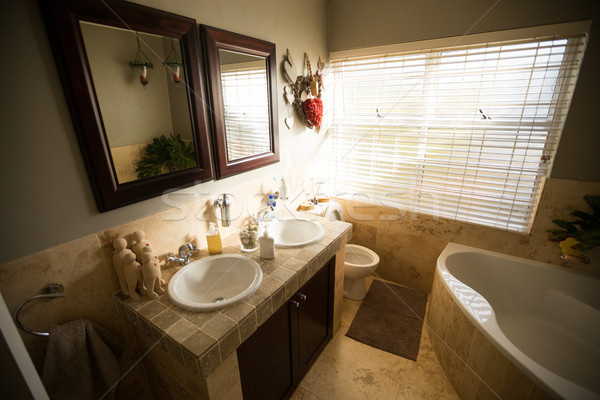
(586, 230)
(166, 153)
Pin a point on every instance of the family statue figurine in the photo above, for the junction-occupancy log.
(138, 269)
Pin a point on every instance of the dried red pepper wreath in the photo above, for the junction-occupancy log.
(311, 109)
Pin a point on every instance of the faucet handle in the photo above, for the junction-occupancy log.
(183, 250)
(222, 201)
(186, 250)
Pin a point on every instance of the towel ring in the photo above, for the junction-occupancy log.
(50, 291)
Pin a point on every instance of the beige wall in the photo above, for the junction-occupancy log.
(409, 244)
(47, 199)
(358, 23)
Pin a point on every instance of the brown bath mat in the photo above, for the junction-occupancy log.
(390, 318)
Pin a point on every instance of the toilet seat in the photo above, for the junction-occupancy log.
(360, 256)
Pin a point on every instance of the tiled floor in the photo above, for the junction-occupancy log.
(348, 370)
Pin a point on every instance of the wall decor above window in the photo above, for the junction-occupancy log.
(114, 116)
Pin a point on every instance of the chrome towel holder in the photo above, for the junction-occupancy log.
(50, 291)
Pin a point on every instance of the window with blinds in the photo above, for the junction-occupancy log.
(466, 133)
(246, 106)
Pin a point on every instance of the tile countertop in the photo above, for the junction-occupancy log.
(200, 341)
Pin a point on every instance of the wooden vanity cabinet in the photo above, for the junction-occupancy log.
(276, 357)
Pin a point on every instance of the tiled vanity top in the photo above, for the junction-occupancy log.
(201, 341)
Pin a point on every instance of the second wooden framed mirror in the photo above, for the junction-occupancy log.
(243, 83)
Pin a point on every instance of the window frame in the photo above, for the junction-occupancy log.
(427, 48)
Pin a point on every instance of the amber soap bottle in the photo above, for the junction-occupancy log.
(213, 239)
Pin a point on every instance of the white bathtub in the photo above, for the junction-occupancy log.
(544, 318)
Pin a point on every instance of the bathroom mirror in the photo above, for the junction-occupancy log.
(159, 106)
(131, 75)
(243, 82)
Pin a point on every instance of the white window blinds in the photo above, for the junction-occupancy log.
(466, 133)
(246, 111)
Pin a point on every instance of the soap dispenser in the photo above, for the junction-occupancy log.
(267, 246)
(213, 239)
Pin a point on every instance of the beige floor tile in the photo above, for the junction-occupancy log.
(351, 370)
(302, 394)
(348, 370)
(349, 310)
(426, 379)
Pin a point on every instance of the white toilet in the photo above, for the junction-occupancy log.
(360, 261)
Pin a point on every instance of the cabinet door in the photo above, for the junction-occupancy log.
(265, 359)
(315, 317)
(277, 356)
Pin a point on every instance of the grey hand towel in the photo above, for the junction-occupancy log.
(80, 361)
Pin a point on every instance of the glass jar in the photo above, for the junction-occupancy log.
(249, 237)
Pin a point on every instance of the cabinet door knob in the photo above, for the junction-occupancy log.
(302, 296)
(295, 303)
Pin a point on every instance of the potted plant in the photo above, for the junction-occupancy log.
(579, 235)
(166, 154)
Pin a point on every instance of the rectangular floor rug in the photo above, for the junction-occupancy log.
(390, 318)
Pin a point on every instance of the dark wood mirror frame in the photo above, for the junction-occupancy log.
(214, 40)
(62, 19)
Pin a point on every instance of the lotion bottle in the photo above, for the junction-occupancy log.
(267, 246)
(213, 239)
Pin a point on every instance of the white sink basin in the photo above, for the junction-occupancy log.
(295, 232)
(214, 282)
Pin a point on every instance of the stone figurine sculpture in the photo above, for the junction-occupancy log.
(152, 275)
(129, 271)
(133, 276)
(141, 245)
(121, 251)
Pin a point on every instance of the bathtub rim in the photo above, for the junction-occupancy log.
(554, 384)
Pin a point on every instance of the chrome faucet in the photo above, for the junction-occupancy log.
(185, 252)
(262, 213)
(223, 203)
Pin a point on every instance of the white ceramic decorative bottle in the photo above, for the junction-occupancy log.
(267, 246)
(283, 190)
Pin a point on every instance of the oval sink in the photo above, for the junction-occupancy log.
(295, 232)
(214, 282)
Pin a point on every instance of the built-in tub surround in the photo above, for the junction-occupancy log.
(522, 326)
(193, 353)
(409, 243)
